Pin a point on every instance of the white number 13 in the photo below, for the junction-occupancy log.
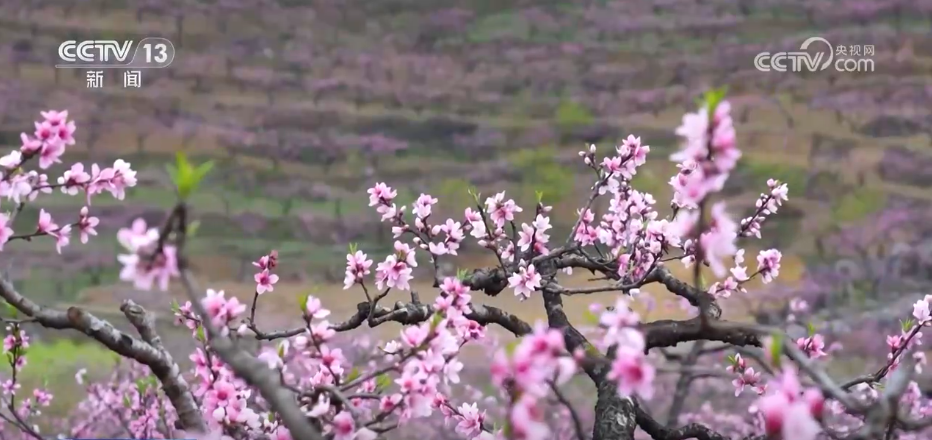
(160, 57)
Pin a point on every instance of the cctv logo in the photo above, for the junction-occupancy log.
(148, 53)
(94, 52)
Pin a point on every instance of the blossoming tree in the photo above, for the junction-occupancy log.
(302, 386)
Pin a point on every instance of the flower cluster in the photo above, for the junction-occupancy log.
(538, 362)
(150, 260)
(747, 377)
(708, 156)
(419, 373)
(789, 410)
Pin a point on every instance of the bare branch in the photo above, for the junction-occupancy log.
(410, 313)
(157, 359)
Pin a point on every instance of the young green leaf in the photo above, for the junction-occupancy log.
(11, 310)
(714, 97)
(383, 381)
(436, 320)
(302, 305)
(776, 349)
(511, 346)
(192, 228)
(185, 176)
(353, 375)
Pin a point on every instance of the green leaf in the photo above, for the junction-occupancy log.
(906, 325)
(475, 194)
(506, 430)
(461, 274)
(192, 228)
(714, 97)
(302, 306)
(201, 336)
(141, 386)
(776, 349)
(353, 374)
(271, 416)
(185, 176)
(175, 306)
(11, 310)
(511, 346)
(590, 318)
(353, 247)
(812, 329)
(540, 196)
(201, 171)
(383, 381)
(436, 320)
(126, 402)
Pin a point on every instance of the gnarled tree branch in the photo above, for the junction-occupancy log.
(143, 351)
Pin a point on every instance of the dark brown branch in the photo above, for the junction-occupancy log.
(668, 333)
(690, 431)
(683, 384)
(577, 421)
(614, 415)
(410, 313)
(158, 361)
(176, 388)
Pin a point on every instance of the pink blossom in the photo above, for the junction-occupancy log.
(86, 225)
(423, 204)
(30, 145)
(747, 378)
(381, 194)
(46, 225)
(768, 264)
(632, 373)
(51, 152)
(470, 420)
(265, 281)
(393, 273)
(501, 211)
(525, 281)
(5, 230)
(357, 267)
(790, 412)
(813, 346)
(920, 310)
(313, 308)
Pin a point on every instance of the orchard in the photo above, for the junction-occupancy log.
(302, 384)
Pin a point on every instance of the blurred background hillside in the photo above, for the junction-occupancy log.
(304, 105)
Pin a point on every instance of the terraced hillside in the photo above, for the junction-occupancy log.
(304, 107)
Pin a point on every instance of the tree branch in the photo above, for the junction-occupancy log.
(155, 357)
(407, 313)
